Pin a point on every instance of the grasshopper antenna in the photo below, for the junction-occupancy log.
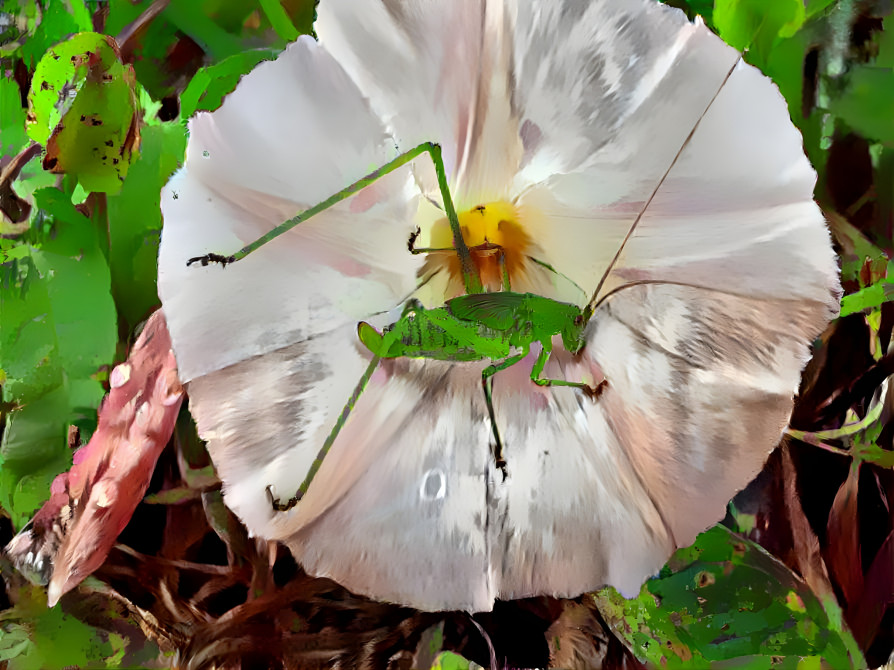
(591, 306)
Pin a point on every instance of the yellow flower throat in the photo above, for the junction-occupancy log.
(497, 243)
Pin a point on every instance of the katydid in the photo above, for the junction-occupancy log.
(499, 326)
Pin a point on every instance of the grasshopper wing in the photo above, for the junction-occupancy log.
(494, 310)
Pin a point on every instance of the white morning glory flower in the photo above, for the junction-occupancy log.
(569, 122)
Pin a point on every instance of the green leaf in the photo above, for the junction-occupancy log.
(60, 641)
(865, 298)
(54, 21)
(83, 109)
(758, 24)
(815, 7)
(725, 598)
(867, 105)
(12, 119)
(191, 17)
(447, 660)
(58, 327)
(211, 84)
(135, 221)
(33, 451)
(885, 41)
(14, 641)
(79, 288)
(280, 20)
(59, 75)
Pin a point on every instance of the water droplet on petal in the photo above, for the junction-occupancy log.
(120, 376)
(434, 485)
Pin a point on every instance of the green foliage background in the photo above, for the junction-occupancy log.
(78, 274)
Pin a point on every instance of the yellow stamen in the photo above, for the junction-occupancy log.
(496, 240)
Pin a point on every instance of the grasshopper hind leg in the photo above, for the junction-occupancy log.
(276, 503)
(487, 381)
(499, 459)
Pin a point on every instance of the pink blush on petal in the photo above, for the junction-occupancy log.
(365, 199)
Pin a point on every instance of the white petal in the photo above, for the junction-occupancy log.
(397, 510)
(700, 389)
(574, 514)
(583, 68)
(295, 131)
(735, 211)
(408, 506)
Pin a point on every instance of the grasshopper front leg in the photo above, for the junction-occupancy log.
(479, 248)
(537, 370)
(470, 275)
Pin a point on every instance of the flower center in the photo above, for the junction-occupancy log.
(497, 243)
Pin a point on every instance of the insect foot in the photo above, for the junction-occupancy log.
(212, 258)
(411, 243)
(282, 506)
(594, 393)
(503, 468)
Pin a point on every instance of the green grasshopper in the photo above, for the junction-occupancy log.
(498, 326)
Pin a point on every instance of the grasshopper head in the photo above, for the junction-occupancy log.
(573, 333)
(371, 338)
